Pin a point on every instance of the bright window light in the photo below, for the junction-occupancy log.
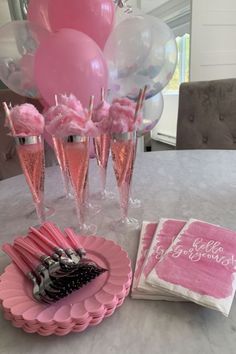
(182, 69)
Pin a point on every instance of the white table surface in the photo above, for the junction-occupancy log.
(179, 184)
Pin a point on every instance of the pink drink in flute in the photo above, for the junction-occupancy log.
(77, 155)
(102, 148)
(31, 155)
(74, 126)
(123, 148)
(60, 154)
(125, 120)
(64, 106)
(27, 125)
(102, 142)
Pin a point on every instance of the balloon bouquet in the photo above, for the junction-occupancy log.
(87, 47)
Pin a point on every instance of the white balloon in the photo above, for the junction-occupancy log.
(152, 111)
(141, 50)
(19, 41)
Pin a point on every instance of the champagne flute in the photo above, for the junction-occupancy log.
(134, 202)
(76, 149)
(30, 151)
(77, 157)
(123, 147)
(102, 144)
(60, 155)
(102, 149)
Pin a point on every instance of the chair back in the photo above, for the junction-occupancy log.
(207, 115)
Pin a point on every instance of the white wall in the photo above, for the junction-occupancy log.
(176, 13)
(165, 130)
(213, 39)
(4, 12)
(213, 52)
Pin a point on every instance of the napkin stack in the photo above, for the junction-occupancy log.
(186, 261)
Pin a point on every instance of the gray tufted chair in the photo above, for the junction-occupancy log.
(207, 115)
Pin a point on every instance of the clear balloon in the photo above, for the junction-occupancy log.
(70, 62)
(140, 51)
(19, 41)
(152, 111)
(38, 13)
(92, 17)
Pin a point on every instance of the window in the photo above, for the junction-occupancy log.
(182, 69)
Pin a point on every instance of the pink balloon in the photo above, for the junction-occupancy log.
(93, 17)
(38, 13)
(70, 62)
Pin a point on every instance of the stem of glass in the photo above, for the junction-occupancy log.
(66, 182)
(124, 191)
(103, 177)
(102, 149)
(40, 211)
(60, 154)
(80, 211)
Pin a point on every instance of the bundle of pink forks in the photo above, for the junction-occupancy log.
(53, 261)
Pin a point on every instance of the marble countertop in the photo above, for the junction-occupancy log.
(178, 184)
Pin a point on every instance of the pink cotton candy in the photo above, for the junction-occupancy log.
(101, 117)
(27, 120)
(55, 112)
(122, 113)
(69, 118)
(71, 102)
(72, 124)
(64, 106)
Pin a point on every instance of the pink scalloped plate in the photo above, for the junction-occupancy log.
(85, 307)
(59, 330)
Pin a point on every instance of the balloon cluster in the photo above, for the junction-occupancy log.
(80, 47)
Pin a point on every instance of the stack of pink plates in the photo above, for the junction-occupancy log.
(83, 308)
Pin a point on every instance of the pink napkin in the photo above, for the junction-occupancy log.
(165, 233)
(200, 266)
(147, 233)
